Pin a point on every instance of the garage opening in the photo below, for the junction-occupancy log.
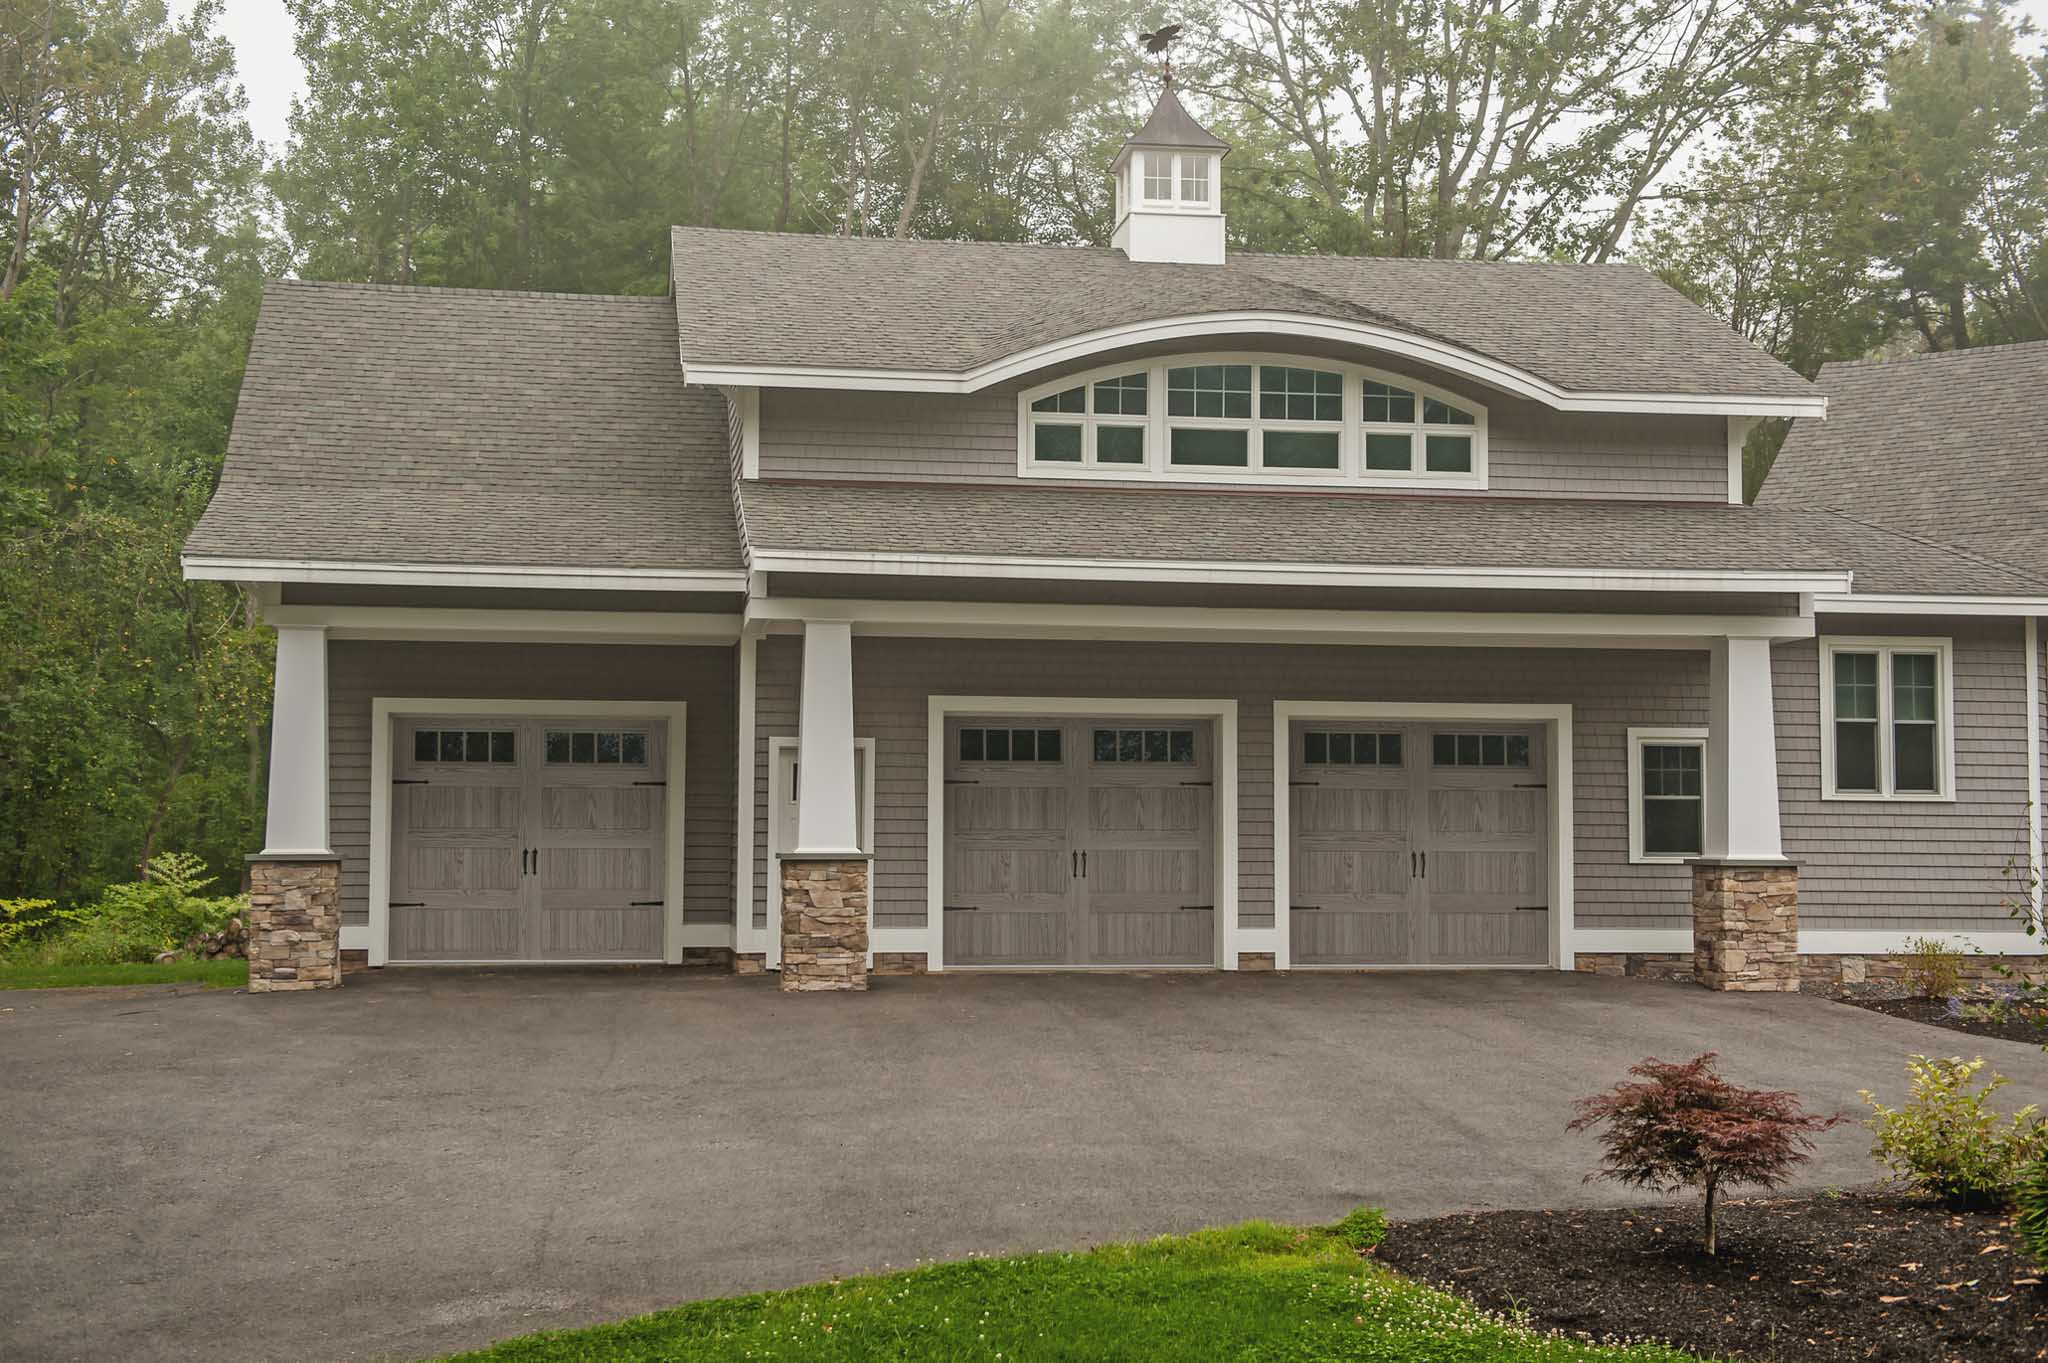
(516, 838)
(1418, 844)
(1079, 842)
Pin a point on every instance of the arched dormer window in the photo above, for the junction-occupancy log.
(1251, 418)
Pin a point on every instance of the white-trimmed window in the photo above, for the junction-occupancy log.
(1667, 795)
(1887, 719)
(1176, 180)
(1252, 417)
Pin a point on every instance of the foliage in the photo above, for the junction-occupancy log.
(1930, 968)
(23, 919)
(1251, 1291)
(2030, 1198)
(1363, 1227)
(1683, 1126)
(222, 974)
(1947, 1140)
(135, 921)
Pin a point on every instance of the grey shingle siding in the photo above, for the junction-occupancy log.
(360, 671)
(1533, 451)
(1911, 865)
(762, 298)
(446, 426)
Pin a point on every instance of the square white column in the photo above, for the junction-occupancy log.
(827, 825)
(1742, 755)
(296, 825)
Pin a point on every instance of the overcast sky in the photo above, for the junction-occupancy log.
(261, 31)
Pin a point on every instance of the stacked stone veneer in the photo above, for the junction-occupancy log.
(1255, 960)
(824, 925)
(1745, 927)
(294, 925)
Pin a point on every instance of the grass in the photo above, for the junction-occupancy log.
(1255, 1291)
(214, 974)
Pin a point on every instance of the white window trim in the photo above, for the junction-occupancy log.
(1885, 646)
(1638, 739)
(1351, 430)
(1178, 163)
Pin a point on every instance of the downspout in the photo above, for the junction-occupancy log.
(2034, 867)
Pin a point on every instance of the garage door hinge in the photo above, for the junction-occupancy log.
(407, 904)
(1198, 908)
(960, 781)
(645, 903)
(1532, 785)
(1532, 908)
(1198, 783)
(650, 783)
(1304, 783)
(1306, 908)
(410, 781)
(961, 908)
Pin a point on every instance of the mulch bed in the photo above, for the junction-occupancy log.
(1935, 1013)
(1867, 1275)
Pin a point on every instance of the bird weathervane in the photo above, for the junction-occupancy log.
(1158, 43)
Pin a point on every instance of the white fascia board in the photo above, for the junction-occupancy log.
(202, 567)
(1828, 942)
(1286, 325)
(1879, 603)
(521, 626)
(1304, 574)
(1011, 620)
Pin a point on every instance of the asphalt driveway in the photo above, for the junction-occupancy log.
(419, 1161)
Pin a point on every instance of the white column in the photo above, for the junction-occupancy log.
(826, 827)
(1742, 755)
(297, 822)
(744, 937)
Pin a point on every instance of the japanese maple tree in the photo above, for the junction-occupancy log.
(1677, 1126)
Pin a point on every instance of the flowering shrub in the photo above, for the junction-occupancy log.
(1946, 1140)
(1684, 1126)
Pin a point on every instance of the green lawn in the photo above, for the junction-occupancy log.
(1256, 1291)
(214, 974)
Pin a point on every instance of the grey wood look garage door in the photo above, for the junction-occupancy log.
(1079, 843)
(1418, 845)
(522, 839)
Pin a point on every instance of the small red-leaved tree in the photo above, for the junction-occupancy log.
(1684, 1126)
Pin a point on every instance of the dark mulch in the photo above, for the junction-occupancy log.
(2015, 1026)
(1869, 1275)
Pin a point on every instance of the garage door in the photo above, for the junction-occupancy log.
(527, 839)
(1079, 843)
(1418, 845)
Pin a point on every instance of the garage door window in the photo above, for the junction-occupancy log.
(596, 747)
(462, 745)
(1323, 747)
(1009, 745)
(1480, 750)
(1145, 745)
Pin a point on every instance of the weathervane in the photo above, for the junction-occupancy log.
(1157, 43)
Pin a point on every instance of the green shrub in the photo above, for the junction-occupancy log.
(1363, 1228)
(1946, 1139)
(2030, 1195)
(1931, 968)
(22, 920)
(136, 921)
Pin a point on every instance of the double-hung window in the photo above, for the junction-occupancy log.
(1667, 794)
(1176, 180)
(1886, 719)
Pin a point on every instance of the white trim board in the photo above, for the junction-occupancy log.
(777, 745)
(210, 567)
(1295, 326)
(1675, 736)
(385, 709)
(1885, 646)
(1829, 942)
(1125, 624)
(937, 708)
(1078, 568)
(436, 624)
(1557, 722)
(1895, 603)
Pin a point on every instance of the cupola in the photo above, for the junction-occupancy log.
(1169, 188)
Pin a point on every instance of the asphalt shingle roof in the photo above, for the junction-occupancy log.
(1951, 446)
(1171, 125)
(1352, 529)
(406, 425)
(783, 299)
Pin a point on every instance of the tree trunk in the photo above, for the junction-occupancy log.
(1712, 1237)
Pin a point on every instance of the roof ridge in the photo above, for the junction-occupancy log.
(1437, 260)
(1972, 555)
(1872, 361)
(893, 241)
(356, 286)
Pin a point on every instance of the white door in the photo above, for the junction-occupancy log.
(517, 839)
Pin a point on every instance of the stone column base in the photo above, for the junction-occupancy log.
(900, 963)
(1255, 960)
(294, 925)
(1745, 926)
(824, 925)
(750, 963)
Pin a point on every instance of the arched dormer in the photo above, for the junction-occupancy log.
(1251, 417)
